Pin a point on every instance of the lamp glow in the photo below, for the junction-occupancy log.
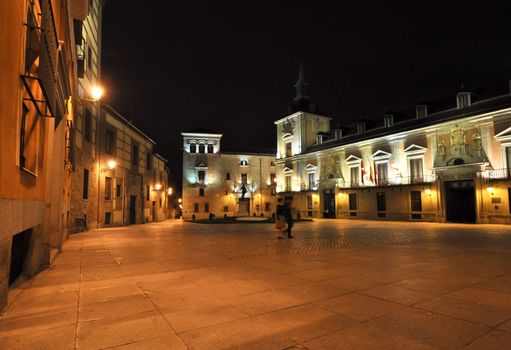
(157, 187)
(427, 191)
(490, 190)
(111, 164)
(180, 200)
(169, 191)
(96, 92)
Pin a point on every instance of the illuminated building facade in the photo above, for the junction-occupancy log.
(37, 82)
(225, 183)
(444, 161)
(133, 182)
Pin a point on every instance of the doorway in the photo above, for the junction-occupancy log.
(153, 209)
(329, 203)
(244, 207)
(460, 201)
(133, 210)
(19, 250)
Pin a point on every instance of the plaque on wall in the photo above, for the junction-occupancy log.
(495, 200)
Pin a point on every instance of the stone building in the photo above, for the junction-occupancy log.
(87, 18)
(447, 160)
(36, 106)
(223, 183)
(133, 180)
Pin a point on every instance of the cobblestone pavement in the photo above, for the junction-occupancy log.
(339, 284)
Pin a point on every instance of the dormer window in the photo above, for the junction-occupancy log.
(361, 127)
(464, 99)
(388, 120)
(243, 162)
(193, 148)
(202, 148)
(421, 111)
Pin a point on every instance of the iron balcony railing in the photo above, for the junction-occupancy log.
(497, 174)
(393, 181)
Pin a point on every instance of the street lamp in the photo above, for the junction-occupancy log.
(96, 92)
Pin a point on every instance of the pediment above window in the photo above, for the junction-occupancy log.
(415, 149)
(287, 170)
(352, 160)
(504, 135)
(201, 166)
(310, 167)
(380, 155)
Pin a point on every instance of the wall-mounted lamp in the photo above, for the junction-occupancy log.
(428, 192)
(96, 93)
(157, 187)
(341, 194)
(180, 200)
(111, 164)
(169, 191)
(490, 190)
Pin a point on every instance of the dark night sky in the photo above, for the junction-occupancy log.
(230, 66)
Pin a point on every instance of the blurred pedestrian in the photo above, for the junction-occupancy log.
(280, 219)
(288, 216)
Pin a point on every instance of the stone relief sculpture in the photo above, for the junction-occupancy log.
(288, 127)
(460, 151)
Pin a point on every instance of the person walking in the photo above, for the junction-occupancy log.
(280, 219)
(288, 217)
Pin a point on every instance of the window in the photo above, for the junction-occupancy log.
(244, 180)
(134, 154)
(108, 188)
(118, 191)
(309, 205)
(108, 218)
(201, 192)
(508, 161)
(206, 207)
(210, 148)
(416, 174)
(87, 129)
(288, 183)
(193, 148)
(85, 194)
(355, 181)
(381, 204)
(160, 202)
(382, 173)
(226, 208)
(195, 207)
(201, 175)
(416, 204)
(148, 163)
(289, 149)
(509, 199)
(110, 142)
(227, 176)
(89, 58)
(273, 191)
(147, 193)
(311, 181)
(273, 180)
(244, 162)
(353, 204)
(267, 206)
(202, 148)
(29, 140)
(272, 163)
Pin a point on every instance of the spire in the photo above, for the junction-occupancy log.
(301, 86)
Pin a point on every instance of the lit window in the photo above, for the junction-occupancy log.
(289, 150)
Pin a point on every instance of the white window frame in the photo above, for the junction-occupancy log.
(353, 162)
(415, 152)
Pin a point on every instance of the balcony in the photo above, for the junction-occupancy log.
(393, 181)
(497, 174)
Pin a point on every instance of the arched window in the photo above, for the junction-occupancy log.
(244, 162)
(193, 148)
(202, 148)
(210, 148)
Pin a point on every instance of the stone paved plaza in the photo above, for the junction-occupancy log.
(338, 285)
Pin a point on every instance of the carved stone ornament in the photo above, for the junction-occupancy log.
(288, 127)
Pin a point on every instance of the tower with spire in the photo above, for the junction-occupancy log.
(302, 101)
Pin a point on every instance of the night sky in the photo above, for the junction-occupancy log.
(230, 66)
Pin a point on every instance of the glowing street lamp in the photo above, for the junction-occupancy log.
(157, 187)
(169, 191)
(111, 164)
(96, 93)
